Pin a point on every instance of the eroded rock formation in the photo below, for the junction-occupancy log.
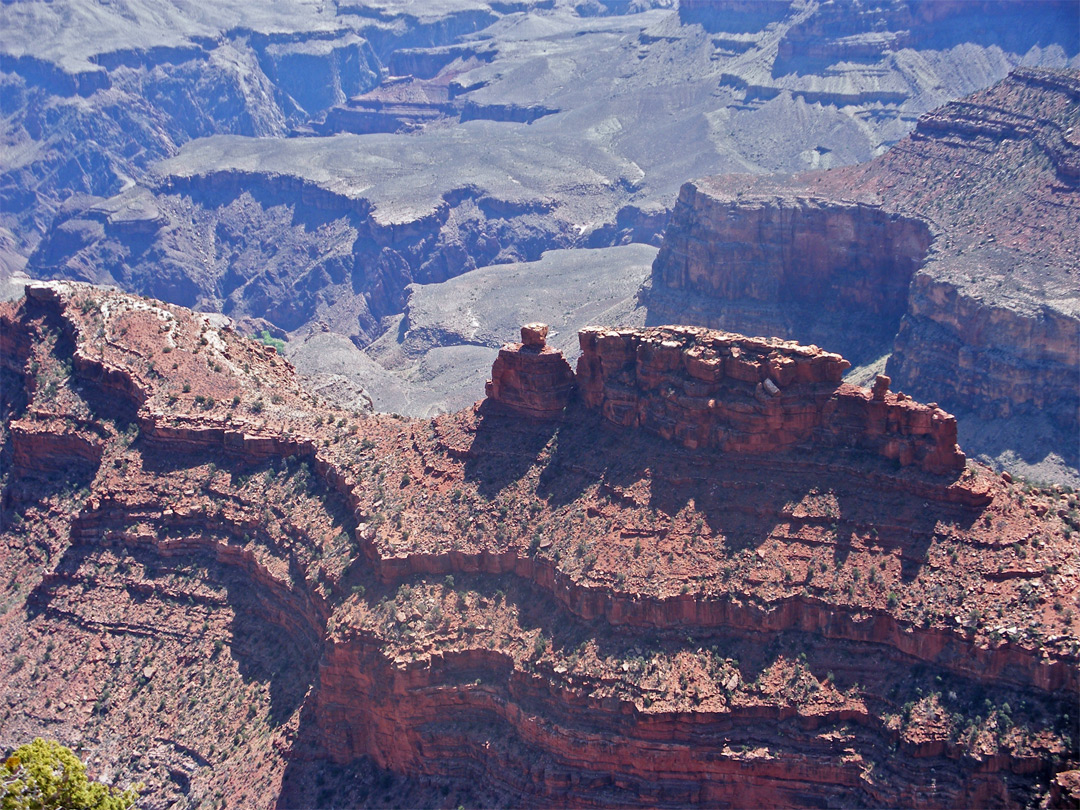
(530, 378)
(248, 596)
(954, 253)
(738, 394)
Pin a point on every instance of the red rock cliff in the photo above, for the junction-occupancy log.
(954, 252)
(716, 389)
(259, 593)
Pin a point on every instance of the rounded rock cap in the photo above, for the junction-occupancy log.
(534, 335)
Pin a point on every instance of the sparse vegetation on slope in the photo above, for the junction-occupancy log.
(833, 625)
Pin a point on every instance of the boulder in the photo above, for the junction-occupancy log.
(534, 335)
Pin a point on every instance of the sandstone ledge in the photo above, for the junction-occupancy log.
(719, 390)
(705, 388)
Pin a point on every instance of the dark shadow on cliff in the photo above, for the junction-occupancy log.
(1032, 439)
(318, 782)
(163, 460)
(23, 489)
(744, 19)
(313, 780)
(309, 217)
(747, 499)
(842, 499)
(505, 448)
(824, 40)
(285, 658)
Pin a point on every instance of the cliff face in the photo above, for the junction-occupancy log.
(953, 252)
(244, 595)
(834, 272)
(993, 360)
(737, 394)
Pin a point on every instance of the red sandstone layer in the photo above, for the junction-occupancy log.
(714, 389)
(530, 378)
(544, 613)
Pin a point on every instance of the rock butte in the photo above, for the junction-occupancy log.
(530, 377)
(229, 590)
(705, 388)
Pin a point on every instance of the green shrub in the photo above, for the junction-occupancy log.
(267, 339)
(45, 775)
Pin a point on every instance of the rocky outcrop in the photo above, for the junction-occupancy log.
(517, 113)
(829, 271)
(39, 447)
(406, 104)
(400, 104)
(737, 394)
(708, 389)
(993, 361)
(530, 378)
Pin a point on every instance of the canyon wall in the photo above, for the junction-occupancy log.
(953, 253)
(991, 361)
(519, 611)
(834, 272)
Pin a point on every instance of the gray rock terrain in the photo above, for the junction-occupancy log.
(198, 108)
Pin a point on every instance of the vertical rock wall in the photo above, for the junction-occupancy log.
(990, 360)
(754, 395)
(831, 272)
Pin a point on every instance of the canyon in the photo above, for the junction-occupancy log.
(544, 403)
(218, 584)
(312, 168)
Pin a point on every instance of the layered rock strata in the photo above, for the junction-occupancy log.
(829, 271)
(530, 378)
(257, 599)
(737, 394)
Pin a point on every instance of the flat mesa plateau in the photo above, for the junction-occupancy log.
(720, 575)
